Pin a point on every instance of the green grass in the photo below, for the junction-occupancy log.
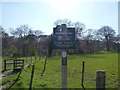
(107, 61)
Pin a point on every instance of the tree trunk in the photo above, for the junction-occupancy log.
(107, 43)
(108, 49)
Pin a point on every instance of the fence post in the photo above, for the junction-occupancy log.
(100, 80)
(44, 66)
(30, 88)
(5, 65)
(82, 81)
(14, 65)
(23, 63)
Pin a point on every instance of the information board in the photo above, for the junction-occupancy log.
(63, 37)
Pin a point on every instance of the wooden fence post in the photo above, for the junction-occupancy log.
(30, 88)
(100, 80)
(22, 66)
(5, 65)
(14, 65)
(44, 66)
(82, 81)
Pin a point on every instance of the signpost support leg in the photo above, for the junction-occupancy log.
(64, 69)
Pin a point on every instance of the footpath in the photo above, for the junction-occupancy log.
(3, 75)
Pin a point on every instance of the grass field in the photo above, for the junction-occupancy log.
(107, 61)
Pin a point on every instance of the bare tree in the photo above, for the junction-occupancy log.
(64, 21)
(116, 43)
(38, 33)
(20, 33)
(8, 44)
(106, 33)
(88, 38)
(79, 28)
(36, 46)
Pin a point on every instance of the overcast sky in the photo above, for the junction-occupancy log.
(42, 15)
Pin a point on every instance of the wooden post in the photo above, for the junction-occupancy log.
(32, 73)
(82, 81)
(64, 69)
(44, 66)
(5, 65)
(14, 65)
(100, 80)
(22, 64)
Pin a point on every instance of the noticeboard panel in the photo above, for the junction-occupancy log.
(63, 38)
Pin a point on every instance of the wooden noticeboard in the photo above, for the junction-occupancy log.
(63, 37)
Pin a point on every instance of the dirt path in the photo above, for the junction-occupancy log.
(6, 73)
(3, 75)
